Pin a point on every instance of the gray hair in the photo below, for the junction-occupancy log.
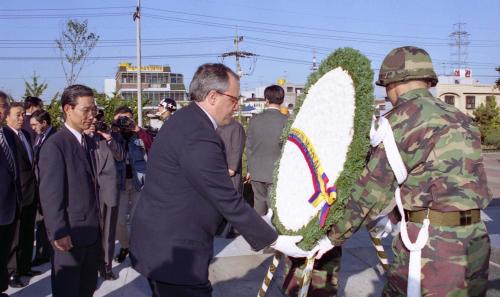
(210, 77)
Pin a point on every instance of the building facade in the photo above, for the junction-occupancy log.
(158, 82)
(464, 92)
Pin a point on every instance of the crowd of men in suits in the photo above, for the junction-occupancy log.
(74, 191)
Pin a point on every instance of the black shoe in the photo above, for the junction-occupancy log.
(122, 255)
(107, 274)
(39, 261)
(15, 281)
(32, 273)
(3, 295)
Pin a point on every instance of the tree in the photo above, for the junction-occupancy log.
(55, 111)
(34, 89)
(487, 116)
(75, 44)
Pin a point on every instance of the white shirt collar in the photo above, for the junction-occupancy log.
(209, 116)
(77, 134)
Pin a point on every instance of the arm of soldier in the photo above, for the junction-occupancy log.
(372, 192)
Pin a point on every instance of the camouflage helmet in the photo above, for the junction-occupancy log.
(406, 63)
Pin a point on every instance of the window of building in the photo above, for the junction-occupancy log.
(289, 89)
(449, 100)
(470, 102)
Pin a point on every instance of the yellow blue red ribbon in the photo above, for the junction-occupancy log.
(320, 180)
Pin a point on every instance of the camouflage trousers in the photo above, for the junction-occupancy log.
(455, 262)
(325, 275)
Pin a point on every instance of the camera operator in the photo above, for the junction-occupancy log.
(108, 150)
(131, 172)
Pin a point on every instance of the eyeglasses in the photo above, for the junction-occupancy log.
(234, 99)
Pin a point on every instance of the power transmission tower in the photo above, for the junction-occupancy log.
(459, 41)
(240, 54)
(314, 65)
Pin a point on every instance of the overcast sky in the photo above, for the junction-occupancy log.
(185, 34)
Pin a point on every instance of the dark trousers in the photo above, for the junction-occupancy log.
(261, 201)
(109, 218)
(74, 273)
(43, 247)
(22, 248)
(161, 289)
(6, 238)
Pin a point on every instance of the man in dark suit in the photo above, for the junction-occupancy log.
(31, 104)
(264, 146)
(68, 194)
(188, 192)
(20, 143)
(8, 199)
(41, 123)
(108, 150)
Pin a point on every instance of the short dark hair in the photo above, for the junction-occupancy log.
(14, 105)
(41, 116)
(210, 77)
(274, 94)
(72, 93)
(32, 101)
(4, 96)
(123, 109)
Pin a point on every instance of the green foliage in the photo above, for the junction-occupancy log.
(55, 111)
(110, 104)
(487, 117)
(493, 137)
(358, 67)
(33, 88)
(497, 82)
(75, 44)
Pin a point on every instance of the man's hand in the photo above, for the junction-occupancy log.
(231, 172)
(288, 246)
(104, 135)
(248, 178)
(63, 244)
(323, 246)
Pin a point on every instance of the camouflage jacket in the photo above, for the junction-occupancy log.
(441, 149)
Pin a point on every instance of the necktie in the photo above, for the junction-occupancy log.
(4, 146)
(26, 145)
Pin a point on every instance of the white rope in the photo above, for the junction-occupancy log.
(384, 134)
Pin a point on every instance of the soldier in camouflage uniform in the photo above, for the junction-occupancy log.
(324, 277)
(441, 149)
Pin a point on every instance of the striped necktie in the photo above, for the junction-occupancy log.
(4, 146)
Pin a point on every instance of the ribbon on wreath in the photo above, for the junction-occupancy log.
(322, 192)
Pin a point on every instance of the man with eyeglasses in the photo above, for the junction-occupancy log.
(68, 195)
(189, 192)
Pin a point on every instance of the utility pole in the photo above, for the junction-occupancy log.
(459, 39)
(137, 19)
(238, 54)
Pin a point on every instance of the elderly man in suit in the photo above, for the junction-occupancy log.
(188, 192)
(68, 193)
(41, 123)
(108, 150)
(9, 204)
(20, 143)
(264, 146)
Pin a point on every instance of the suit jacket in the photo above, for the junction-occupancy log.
(105, 156)
(264, 144)
(186, 196)
(8, 190)
(68, 192)
(38, 146)
(25, 171)
(233, 136)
